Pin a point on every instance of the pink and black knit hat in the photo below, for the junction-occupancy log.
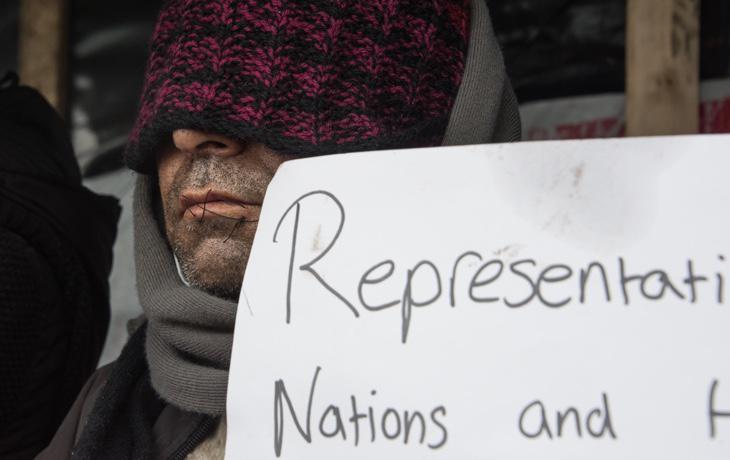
(303, 76)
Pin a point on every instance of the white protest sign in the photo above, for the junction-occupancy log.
(554, 300)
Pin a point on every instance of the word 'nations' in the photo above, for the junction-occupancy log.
(352, 421)
(472, 277)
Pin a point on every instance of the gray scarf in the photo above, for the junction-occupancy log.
(190, 333)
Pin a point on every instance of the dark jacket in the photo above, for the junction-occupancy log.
(56, 242)
(170, 433)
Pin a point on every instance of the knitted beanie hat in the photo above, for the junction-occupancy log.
(307, 77)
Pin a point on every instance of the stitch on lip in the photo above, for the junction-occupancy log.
(205, 204)
(191, 203)
(202, 206)
(235, 226)
(239, 221)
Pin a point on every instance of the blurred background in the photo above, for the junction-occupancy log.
(567, 60)
(557, 52)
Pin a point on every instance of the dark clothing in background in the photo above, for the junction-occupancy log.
(138, 423)
(55, 256)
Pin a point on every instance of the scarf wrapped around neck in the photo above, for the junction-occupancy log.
(189, 332)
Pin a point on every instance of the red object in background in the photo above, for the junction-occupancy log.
(601, 116)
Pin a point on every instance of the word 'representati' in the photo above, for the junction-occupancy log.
(554, 286)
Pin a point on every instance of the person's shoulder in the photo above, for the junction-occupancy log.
(70, 430)
(89, 393)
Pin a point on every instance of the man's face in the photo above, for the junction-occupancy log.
(212, 188)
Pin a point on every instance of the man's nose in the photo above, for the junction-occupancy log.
(199, 142)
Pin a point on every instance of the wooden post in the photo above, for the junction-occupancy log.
(43, 49)
(662, 67)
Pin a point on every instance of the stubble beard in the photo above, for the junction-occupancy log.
(210, 260)
(212, 252)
